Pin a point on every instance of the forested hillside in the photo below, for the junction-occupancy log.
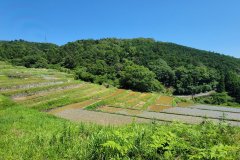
(139, 64)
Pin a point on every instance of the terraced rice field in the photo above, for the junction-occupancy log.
(117, 92)
(141, 96)
(78, 115)
(129, 95)
(217, 108)
(159, 107)
(41, 90)
(135, 100)
(79, 91)
(17, 100)
(165, 100)
(43, 103)
(79, 105)
(163, 116)
(121, 110)
(199, 112)
(182, 104)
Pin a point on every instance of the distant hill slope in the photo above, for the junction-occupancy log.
(106, 60)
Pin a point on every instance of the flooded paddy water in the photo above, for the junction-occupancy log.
(79, 115)
(163, 116)
(228, 109)
(198, 112)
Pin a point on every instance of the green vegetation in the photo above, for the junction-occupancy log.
(111, 60)
(217, 99)
(179, 99)
(28, 134)
(68, 99)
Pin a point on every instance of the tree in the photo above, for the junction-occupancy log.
(163, 72)
(139, 78)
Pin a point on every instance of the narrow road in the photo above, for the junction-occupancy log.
(195, 95)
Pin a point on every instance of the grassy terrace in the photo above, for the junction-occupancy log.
(26, 84)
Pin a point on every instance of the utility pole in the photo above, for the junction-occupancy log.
(192, 92)
(45, 39)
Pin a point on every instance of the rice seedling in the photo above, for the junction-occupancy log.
(182, 104)
(129, 95)
(141, 96)
(165, 100)
(80, 92)
(62, 101)
(149, 101)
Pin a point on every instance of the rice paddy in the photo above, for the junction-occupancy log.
(182, 104)
(79, 105)
(159, 107)
(117, 92)
(129, 95)
(39, 89)
(17, 100)
(165, 100)
(121, 110)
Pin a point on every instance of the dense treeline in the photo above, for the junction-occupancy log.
(140, 64)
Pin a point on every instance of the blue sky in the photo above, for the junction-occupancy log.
(212, 25)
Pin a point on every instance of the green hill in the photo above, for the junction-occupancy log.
(112, 60)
